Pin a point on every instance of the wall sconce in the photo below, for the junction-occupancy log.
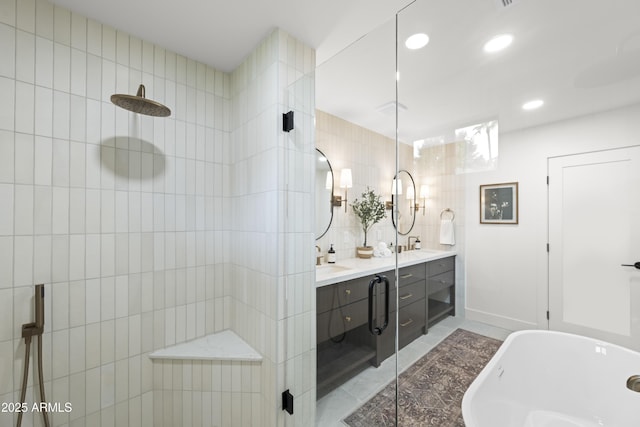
(396, 188)
(424, 194)
(411, 195)
(346, 181)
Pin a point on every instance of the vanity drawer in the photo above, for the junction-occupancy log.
(411, 321)
(412, 274)
(340, 294)
(411, 293)
(334, 322)
(439, 266)
(441, 281)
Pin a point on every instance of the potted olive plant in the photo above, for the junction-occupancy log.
(369, 210)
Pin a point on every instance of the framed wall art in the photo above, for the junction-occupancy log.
(499, 203)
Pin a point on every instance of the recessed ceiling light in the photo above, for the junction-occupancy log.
(498, 43)
(532, 105)
(417, 41)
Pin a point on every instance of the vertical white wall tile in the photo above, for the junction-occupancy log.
(43, 151)
(7, 51)
(76, 210)
(7, 111)
(23, 201)
(23, 261)
(92, 255)
(8, 14)
(77, 255)
(24, 107)
(6, 328)
(44, 62)
(24, 157)
(61, 115)
(42, 259)
(43, 111)
(26, 15)
(77, 305)
(78, 31)
(62, 25)
(60, 211)
(60, 259)
(6, 210)
(44, 19)
(6, 262)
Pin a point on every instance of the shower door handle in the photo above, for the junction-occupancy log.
(375, 330)
(636, 265)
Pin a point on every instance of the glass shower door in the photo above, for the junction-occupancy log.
(355, 302)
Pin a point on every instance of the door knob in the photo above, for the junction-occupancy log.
(636, 265)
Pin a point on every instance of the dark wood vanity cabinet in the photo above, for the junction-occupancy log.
(345, 345)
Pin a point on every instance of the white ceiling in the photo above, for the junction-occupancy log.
(580, 56)
(222, 33)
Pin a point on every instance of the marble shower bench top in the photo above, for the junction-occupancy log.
(225, 345)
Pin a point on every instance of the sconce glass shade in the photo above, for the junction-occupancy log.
(410, 192)
(396, 187)
(424, 191)
(329, 182)
(346, 181)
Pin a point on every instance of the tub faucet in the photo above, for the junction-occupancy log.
(410, 247)
(318, 255)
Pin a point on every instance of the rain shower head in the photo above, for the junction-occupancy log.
(140, 104)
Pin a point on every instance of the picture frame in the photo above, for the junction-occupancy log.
(499, 203)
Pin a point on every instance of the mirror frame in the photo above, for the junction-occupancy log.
(333, 183)
(413, 222)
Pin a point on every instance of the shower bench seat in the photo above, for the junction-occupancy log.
(225, 345)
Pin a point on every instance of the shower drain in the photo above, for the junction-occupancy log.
(633, 383)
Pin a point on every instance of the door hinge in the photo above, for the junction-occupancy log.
(547, 179)
(547, 247)
(547, 314)
(287, 401)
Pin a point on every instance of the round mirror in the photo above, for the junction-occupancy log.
(405, 188)
(324, 191)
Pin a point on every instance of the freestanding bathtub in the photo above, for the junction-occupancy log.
(554, 379)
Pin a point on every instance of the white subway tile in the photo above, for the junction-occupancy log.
(76, 210)
(7, 110)
(44, 19)
(76, 257)
(62, 25)
(42, 259)
(107, 256)
(24, 107)
(77, 354)
(77, 305)
(78, 66)
(77, 162)
(61, 67)
(93, 198)
(6, 333)
(121, 338)
(92, 301)
(60, 163)
(94, 77)
(78, 32)
(43, 111)
(60, 259)
(44, 62)
(61, 115)
(43, 152)
(60, 353)
(107, 350)
(92, 255)
(8, 16)
(23, 261)
(107, 211)
(6, 262)
(23, 201)
(6, 209)
(26, 15)
(7, 51)
(60, 211)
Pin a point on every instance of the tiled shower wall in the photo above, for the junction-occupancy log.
(127, 221)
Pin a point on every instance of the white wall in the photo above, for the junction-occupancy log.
(506, 265)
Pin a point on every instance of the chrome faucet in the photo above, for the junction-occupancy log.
(318, 255)
(411, 247)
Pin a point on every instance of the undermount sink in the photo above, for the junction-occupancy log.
(330, 269)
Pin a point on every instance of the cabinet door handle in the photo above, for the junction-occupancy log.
(406, 276)
(347, 318)
(375, 330)
(347, 291)
(408, 322)
(406, 296)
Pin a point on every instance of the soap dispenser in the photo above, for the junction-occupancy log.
(331, 255)
(417, 245)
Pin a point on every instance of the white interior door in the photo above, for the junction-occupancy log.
(594, 217)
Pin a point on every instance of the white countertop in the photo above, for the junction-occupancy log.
(353, 268)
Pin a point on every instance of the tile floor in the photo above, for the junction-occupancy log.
(332, 408)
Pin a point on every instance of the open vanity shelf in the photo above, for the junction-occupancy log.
(345, 346)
